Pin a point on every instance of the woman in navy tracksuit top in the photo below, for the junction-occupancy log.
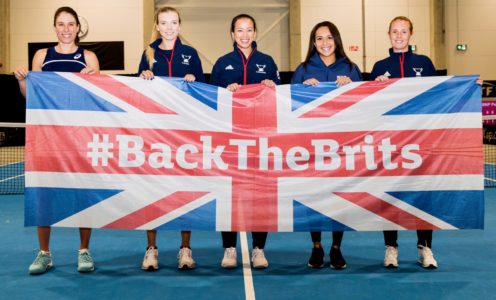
(326, 61)
(244, 65)
(167, 56)
(66, 56)
(403, 63)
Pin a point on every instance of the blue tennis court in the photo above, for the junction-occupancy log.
(467, 268)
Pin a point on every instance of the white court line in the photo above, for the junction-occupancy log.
(248, 278)
(489, 179)
(10, 178)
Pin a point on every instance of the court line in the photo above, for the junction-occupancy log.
(489, 179)
(11, 178)
(247, 276)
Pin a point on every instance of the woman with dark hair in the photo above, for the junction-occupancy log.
(167, 56)
(244, 65)
(402, 62)
(66, 56)
(326, 61)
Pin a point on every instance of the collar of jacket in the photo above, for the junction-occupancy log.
(396, 54)
(317, 61)
(158, 41)
(253, 46)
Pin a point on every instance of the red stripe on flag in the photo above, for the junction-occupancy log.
(127, 94)
(387, 210)
(443, 151)
(155, 210)
(347, 99)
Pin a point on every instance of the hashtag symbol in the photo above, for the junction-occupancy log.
(100, 151)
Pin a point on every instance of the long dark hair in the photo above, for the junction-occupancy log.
(243, 16)
(70, 11)
(339, 51)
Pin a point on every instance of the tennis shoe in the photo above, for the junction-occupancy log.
(258, 259)
(41, 263)
(230, 258)
(337, 259)
(426, 257)
(150, 261)
(85, 261)
(391, 257)
(317, 258)
(185, 259)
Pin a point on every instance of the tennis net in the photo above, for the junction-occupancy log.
(12, 158)
(489, 125)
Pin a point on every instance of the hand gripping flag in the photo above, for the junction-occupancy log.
(108, 151)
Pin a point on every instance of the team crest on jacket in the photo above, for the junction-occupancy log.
(418, 71)
(261, 68)
(186, 59)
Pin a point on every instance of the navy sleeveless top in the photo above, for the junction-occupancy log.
(58, 62)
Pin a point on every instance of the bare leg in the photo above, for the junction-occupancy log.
(84, 235)
(185, 238)
(152, 238)
(44, 237)
(316, 239)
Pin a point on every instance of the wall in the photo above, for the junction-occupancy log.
(346, 15)
(4, 36)
(378, 14)
(476, 27)
(437, 30)
(109, 20)
(206, 27)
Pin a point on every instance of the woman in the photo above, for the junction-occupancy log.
(244, 65)
(167, 56)
(326, 61)
(66, 56)
(403, 63)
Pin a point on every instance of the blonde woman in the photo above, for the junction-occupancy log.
(167, 56)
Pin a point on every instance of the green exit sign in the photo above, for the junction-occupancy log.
(461, 47)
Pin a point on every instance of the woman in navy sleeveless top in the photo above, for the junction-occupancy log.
(66, 56)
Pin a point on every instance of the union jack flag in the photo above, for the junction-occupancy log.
(106, 151)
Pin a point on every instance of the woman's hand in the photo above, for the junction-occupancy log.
(233, 87)
(342, 80)
(268, 82)
(382, 78)
(479, 81)
(88, 70)
(189, 78)
(147, 74)
(21, 73)
(311, 81)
